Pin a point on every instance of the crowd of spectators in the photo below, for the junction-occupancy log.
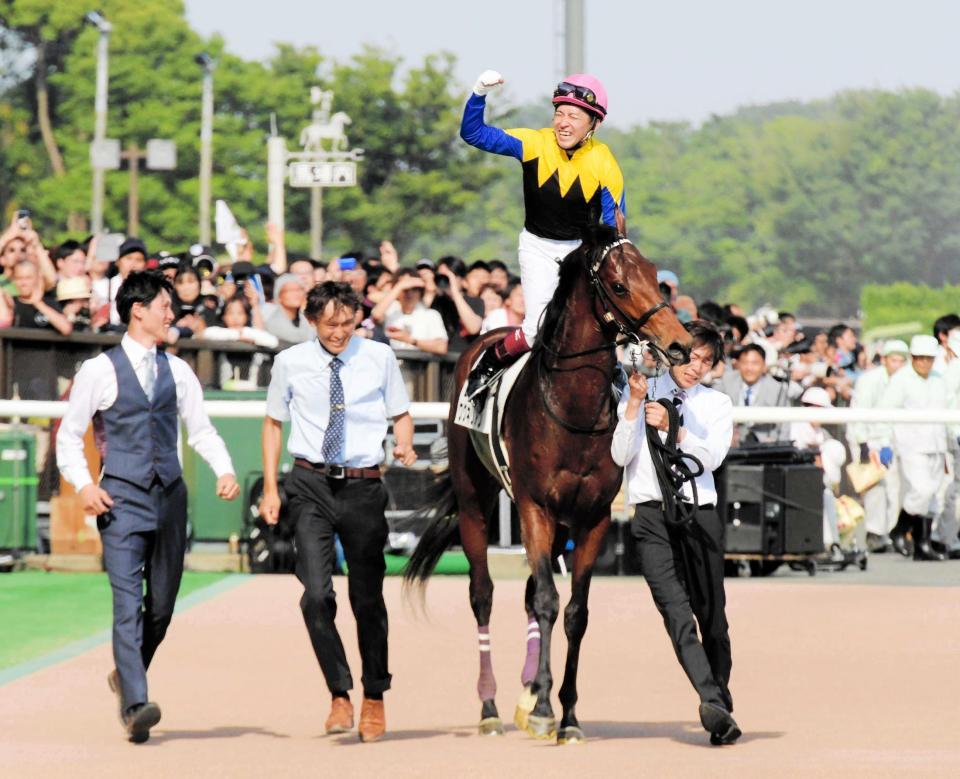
(438, 306)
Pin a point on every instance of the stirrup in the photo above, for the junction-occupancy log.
(483, 374)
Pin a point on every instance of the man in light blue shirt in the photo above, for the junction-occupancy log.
(338, 391)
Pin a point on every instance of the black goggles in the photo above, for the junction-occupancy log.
(566, 89)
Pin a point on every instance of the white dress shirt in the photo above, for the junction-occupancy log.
(373, 391)
(95, 389)
(708, 425)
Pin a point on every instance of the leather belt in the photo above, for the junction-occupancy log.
(658, 505)
(338, 471)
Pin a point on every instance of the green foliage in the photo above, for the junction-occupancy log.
(896, 304)
(794, 204)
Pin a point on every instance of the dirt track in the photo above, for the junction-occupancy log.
(828, 680)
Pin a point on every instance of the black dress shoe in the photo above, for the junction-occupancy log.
(900, 544)
(719, 723)
(139, 719)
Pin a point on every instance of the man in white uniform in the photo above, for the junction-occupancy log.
(882, 501)
(920, 448)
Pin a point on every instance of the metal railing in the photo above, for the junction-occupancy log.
(39, 364)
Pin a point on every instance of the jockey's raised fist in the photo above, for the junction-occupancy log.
(488, 80)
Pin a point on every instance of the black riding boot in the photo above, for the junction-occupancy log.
(495, 359)
(922, 530)
(898, 536)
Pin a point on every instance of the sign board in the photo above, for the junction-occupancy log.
(161, 154)
(105, 154)
(323, 174)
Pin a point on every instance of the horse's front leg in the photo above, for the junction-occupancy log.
(538, 534)
(587, 547)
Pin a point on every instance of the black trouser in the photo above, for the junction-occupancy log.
(353, 509)
(144, 536)
(684, 568)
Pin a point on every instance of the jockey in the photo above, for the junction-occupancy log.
(570, 180)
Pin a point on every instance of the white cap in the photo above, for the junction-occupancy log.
(895, 346)
(924, 346)
(816, 396)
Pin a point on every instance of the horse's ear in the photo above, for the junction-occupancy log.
(620, 221)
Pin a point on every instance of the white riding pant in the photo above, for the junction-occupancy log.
(925, 481)
(882, 502)
(539, 273)
(947, 523)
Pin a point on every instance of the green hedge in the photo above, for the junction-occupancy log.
(905, 309)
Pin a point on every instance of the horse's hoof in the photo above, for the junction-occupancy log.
(491, 726)
(524, 706)
(541, 727)
(571, 735)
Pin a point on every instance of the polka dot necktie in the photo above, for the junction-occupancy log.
(333, 439)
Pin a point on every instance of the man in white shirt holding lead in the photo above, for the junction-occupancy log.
(338, 391)
(136, 396)
(683, 563)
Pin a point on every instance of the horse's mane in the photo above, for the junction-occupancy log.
(595, 239)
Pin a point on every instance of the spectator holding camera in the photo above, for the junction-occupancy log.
(21, 242)
(191, 317)
(237, 325)
(74, 298)
(462, 314)
(131, 258)
(407, 322)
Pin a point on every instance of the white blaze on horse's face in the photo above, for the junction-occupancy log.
(570, 126)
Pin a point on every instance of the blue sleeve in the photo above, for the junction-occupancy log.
(607, 203)
(476, 133)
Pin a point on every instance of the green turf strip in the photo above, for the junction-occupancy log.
(41, 612)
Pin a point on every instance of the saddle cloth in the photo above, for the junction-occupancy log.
(482, 415)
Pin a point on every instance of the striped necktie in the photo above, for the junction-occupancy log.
(333, 438)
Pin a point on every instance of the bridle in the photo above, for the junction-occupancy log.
(628, 327)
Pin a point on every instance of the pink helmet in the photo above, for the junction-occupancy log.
(584, 91)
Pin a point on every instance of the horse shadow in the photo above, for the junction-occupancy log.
(224, 731)
(683, 732)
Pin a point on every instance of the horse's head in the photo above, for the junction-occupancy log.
(626, 285)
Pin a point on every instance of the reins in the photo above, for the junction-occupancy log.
(669, 464)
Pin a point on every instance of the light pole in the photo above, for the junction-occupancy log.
(100, 110)
(573, 37)
(206, 145)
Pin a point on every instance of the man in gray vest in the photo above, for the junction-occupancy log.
(136, 396)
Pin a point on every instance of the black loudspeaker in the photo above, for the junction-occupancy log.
(773, 509)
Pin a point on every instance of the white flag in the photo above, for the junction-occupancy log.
(228, 229)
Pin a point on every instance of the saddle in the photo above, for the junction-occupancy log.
(482, 415)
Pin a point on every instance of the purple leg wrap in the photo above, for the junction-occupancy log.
(532, 663)
(486, 684)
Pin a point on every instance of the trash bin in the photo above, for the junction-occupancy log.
(18, 490)
(212, 519)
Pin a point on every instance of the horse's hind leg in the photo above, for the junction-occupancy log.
(575, 625)
(476, 493)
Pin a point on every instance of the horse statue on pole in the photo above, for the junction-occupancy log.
(557, 428)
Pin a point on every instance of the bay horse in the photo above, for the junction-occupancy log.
(557, 429)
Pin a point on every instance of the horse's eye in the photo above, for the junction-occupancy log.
(619, 289)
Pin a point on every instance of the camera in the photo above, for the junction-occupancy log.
(443, 283)
(347, 263)
(23, 214)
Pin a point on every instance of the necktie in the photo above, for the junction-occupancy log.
(748, 397)
(149, 379)
(679, 396)
(333, 438)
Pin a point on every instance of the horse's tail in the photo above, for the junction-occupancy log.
(439, 535)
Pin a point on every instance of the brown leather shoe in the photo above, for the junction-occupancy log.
(341, 716)
(373, 721)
